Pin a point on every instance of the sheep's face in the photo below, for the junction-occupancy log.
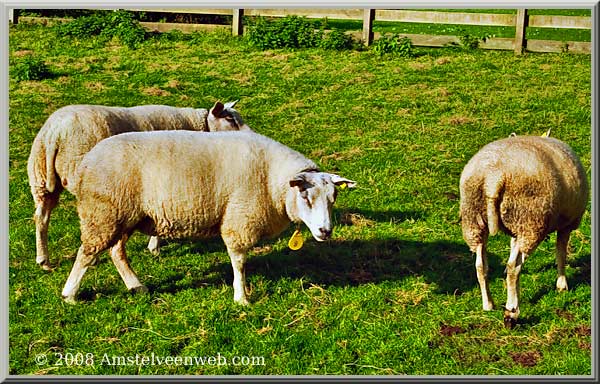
(314, 194)
(222, 117)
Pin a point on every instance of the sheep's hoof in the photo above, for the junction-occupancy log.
(154, 246)
(509, 320)
(70, 300)
(244, 302)
(561, 284)
(488, 307)
(45, 265)
(141, 289)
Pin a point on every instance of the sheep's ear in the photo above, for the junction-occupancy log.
(299, 181)
(340, 181)
(217, 109)
(231, 104)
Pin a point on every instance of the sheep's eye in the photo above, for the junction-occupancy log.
(304, 195)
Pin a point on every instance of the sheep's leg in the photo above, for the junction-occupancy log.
(562, 242)
(44, 206)
(119, 258)
(154, 245)
(513, 269)
(481, 265)
(238, 259)
(82, 262)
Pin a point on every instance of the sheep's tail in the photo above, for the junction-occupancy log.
(50, 170)
(494, 184)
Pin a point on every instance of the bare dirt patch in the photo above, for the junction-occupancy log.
(583, 330)
(450, 330)
(526, 359)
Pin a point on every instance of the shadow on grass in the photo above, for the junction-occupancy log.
(581, 276)
(583, 271)
(448, 264)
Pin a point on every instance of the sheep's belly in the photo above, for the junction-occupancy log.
(205, 233)
(176, 230)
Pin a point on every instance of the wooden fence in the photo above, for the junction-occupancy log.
(520, 21)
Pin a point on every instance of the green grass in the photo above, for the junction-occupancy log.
(394, 291)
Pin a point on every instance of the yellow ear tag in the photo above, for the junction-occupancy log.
(343, 186)
(296, 241)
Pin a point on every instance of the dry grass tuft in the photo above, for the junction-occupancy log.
(23, 52)
(94, 86)
(443, 60)
(155, 91)
(356, 220)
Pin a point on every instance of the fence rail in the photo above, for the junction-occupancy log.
(520, 21)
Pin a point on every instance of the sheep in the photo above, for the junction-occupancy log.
(240, 185)
(71, 131)
(526, 187)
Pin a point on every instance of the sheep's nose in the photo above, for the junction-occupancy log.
(326, 233)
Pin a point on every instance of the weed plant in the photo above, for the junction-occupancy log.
(106, 25)
(294, 32)
(393, 44)
(31, 68)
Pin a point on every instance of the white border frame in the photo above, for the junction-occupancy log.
(5, 6)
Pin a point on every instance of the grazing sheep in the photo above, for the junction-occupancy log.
(70, 132)
(240, 185)
(526, 187)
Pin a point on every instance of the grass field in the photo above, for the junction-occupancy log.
(393, 293)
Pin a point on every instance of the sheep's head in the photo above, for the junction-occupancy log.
(312, 196)
(222, 117)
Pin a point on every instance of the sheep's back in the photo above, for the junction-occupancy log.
(544, 185)
(184, 181)
(75, 129)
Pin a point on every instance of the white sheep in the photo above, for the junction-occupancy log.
(526, 187)
(70, 132)
(240, 185)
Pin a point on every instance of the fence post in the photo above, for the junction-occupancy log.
(13, 15)
(521, 27)
(368, 17)
(237, 25)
